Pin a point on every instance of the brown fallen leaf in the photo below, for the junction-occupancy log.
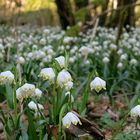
(87, 128)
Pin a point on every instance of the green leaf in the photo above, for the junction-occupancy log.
(31, 127)
(9, 96)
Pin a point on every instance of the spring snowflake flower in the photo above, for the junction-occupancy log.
(33, 106)
(47, 74)
(27, 90)
(6, 77)
(19, 94)
(61, 61)
(135, 112)
(120, 65)
(106, 60)
(113, 46)
(70, 96)
(21, 60)
(85, 50)
(98, 84)
(133, 62)
(123, 57)
(64, 80)
(42, 41)
(38, 93)
(68, 85)
(70, 118)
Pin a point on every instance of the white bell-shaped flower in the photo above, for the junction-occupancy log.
(70, 118)
(6, 77)
(33, 106)
(120, 65)
(70, 96)
(133, 62)
(64, 80)
(47, 74)
(61, 61)
(85, 50)
(135, 112)
(98, 84)
(28, 90)
(105, 60)
(19, 94)
(38, 93)
(68, 86)
(21, 60)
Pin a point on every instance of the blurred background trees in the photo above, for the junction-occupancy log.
(111, 13)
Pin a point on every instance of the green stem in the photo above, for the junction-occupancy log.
(54, 102)
(60, 120)
(40, 135)
(15, 105)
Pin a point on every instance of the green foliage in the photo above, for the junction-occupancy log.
(73, 31)
(107, 122)
(126, 136)
(80, 15)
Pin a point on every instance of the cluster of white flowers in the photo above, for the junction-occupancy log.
(6, 77)
(41, 48)
(26, 91)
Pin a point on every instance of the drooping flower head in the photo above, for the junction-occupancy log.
(27, 90)
(70, 118)
(98, 84)
(6, 77)
(64, 80)
(47, 74)
(135, 112)
(35, 106)
(61, 61)
(38, 93)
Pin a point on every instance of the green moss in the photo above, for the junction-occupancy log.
(81, 14)
(73, 31)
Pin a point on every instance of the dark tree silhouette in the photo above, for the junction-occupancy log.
(81, 3)
(65, 13)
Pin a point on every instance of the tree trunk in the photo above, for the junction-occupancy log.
(124, 15)
(65, 13)
(103, 17)
(130, 17)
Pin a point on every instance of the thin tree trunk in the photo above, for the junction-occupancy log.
(65, 13)
(130, 18)
(126, 15)
(103, 17)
